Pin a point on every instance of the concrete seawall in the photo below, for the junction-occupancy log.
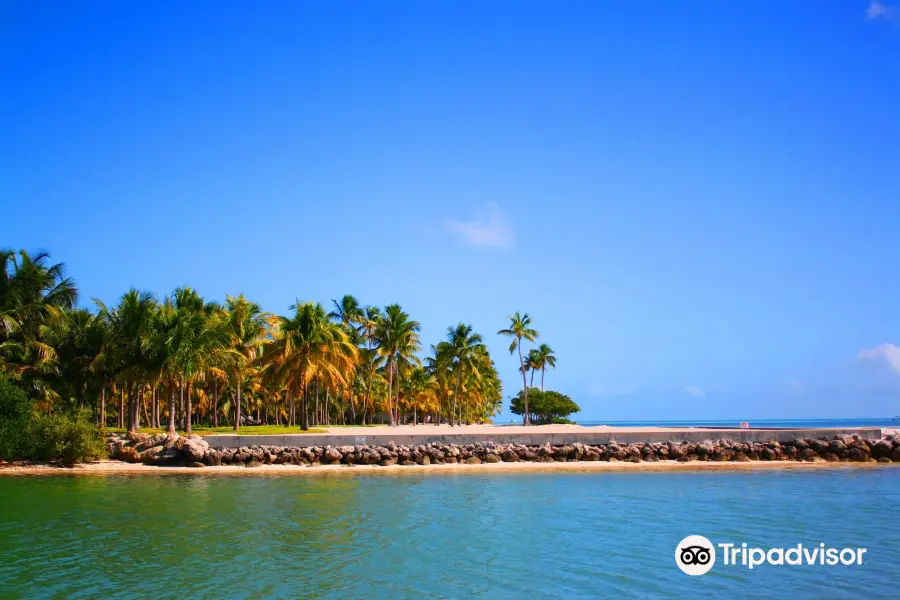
(588, 437)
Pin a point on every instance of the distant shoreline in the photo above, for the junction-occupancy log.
(113, 467)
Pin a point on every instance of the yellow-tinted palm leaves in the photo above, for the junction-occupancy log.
(308, 347)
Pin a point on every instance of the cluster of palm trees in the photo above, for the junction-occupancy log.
(185, 360)
(537, 359)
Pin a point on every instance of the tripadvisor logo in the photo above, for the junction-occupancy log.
(696, 555)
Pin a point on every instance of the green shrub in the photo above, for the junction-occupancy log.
(25, 434)
(544, 406)
(15, 421)
(70, 438)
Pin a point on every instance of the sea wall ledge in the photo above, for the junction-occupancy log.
(601, 436)
(160, 449)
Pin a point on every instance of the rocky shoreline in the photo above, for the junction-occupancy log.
(194, 451)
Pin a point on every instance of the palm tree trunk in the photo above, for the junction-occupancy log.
(144, 408)
(102, 411)
(390, 389)
(531, 383)
(120, 418)
(154, 409)
(366, 399)
(181, 404)
(524, 382)
(543, 369)
(171, 428)
(215, 404)
(304, 408)
(181, 408)
(237, 409)
(455, 394)
(352, 407)
(397, 404)
(188, 411)
(316, 411)
(291, 412)
(132, 409)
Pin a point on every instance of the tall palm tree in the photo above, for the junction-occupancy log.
(30, 286)
(197, 342)
(78, 337)
(348, 312)
(310, 347)
(369, 357)
(130, 325)
(351, 316)
(163, 368)
(464, 349)
(532, 363)
(520, 329)
(398, 341)
(546, 358)
(247, 329)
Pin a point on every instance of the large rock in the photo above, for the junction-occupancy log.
(128, 454)
(510, 456)
(192, 450)
(137, 437)
(331, 455)
(881, 449)
(151, 454)
(857, 454)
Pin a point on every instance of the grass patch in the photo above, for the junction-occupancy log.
(245, 430)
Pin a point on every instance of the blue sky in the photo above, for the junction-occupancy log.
(700, 208)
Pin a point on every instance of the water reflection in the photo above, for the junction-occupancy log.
(570, 535)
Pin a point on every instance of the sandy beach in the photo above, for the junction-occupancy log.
(113, 467)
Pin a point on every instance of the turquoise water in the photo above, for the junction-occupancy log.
(475, 535)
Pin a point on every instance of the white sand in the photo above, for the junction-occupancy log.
(112, 467)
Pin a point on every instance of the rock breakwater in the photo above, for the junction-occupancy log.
(193, 450)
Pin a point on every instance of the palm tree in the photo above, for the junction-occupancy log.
(519, 329)
(348, 312)
(29, 288)
(464, 349)
(532, 363)
(546, 358)
(368, 323)
(310, 347)
(398, 342)
(197, 343)
(130, 325)
(351, 316)
(247, 329)
(78, 337)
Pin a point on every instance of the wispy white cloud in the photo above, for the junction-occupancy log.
(490, 230)
(692, 390)
(889, 353)
(880, 10)
(795, 387)
(611, 390)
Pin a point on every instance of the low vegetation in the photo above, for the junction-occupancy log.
(545, 407)
(27, 434)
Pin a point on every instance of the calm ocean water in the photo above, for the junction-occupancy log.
(790, 423)
(505, 535)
